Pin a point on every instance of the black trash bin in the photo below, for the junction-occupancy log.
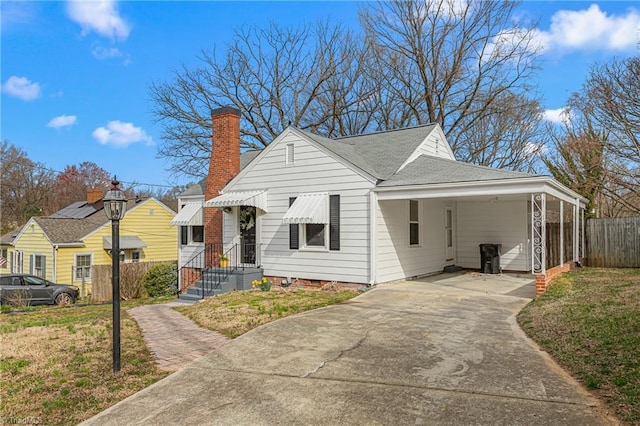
(490, 258)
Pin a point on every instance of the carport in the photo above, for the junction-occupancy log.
(537, 223)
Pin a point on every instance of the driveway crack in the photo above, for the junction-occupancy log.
(356, 345)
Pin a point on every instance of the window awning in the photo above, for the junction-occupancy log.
(256, 199)
(189, 215)
(308, 208)
(127, 242)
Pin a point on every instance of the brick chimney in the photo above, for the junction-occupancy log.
(224, 165)
(94, 195)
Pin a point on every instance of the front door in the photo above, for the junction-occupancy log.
(247, 224)
(449, 235)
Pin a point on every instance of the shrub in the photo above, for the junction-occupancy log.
(161, 280)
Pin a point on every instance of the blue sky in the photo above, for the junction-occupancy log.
(75, 75)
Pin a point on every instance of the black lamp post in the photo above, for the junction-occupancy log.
(115, 205)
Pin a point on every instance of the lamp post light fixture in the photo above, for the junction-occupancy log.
(115, 205)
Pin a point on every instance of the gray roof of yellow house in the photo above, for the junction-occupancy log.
(67, 230)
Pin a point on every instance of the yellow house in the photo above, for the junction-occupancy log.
(63, 249)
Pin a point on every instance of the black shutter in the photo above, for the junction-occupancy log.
(334, 222)
(293, 230)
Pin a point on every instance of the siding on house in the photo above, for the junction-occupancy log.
(395, 258)
(434, 145)
(503, 222)
(312, 171)
(32, 242)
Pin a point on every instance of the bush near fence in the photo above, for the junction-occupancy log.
(131, 286)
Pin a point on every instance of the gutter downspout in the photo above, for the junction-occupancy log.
(373, 214)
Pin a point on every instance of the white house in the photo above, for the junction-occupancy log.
(377, 207)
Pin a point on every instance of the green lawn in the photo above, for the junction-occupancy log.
(235, 313)
(589, 321)
(56, 365)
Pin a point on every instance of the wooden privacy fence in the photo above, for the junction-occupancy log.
(130, 280)
(613, 242)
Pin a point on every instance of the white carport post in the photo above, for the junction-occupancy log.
(576, 230)
(538, 232)
(561, 260)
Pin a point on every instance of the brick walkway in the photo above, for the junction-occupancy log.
(172, 338)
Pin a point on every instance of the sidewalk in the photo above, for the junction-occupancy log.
(174, 339)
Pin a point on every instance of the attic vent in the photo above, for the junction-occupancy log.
(288, 155)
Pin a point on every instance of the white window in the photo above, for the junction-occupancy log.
(17, 264)
(288, 154)
(82, 265)
(414, 223)
(123, 256)
(136, 256)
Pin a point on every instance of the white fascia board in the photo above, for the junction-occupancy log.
(479, 188)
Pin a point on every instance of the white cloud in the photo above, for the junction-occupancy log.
(121, 134)
(514, 40)
(100, 16)
(106, 52)
(21, 87)
(557, 116)
(62, 121)
(592, 29)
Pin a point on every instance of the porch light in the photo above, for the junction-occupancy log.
(115, 205)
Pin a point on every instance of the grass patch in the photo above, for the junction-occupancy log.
(235, 313)
(56, 365)
(589, 321)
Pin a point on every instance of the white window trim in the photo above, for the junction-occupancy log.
(139, 256)
(302, 235)
(418, 222)
(75, 266)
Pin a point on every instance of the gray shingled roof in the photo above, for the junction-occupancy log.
(379, 154)
(9, 236)
(69, 230)
(429, 170)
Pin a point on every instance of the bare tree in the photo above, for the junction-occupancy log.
(612, 92)
(577, 156)
(25, 187)
(73, 183)
(464, 65)
(309, 77)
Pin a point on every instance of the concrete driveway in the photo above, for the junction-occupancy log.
(441, 350)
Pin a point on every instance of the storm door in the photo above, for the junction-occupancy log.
(247, 224)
